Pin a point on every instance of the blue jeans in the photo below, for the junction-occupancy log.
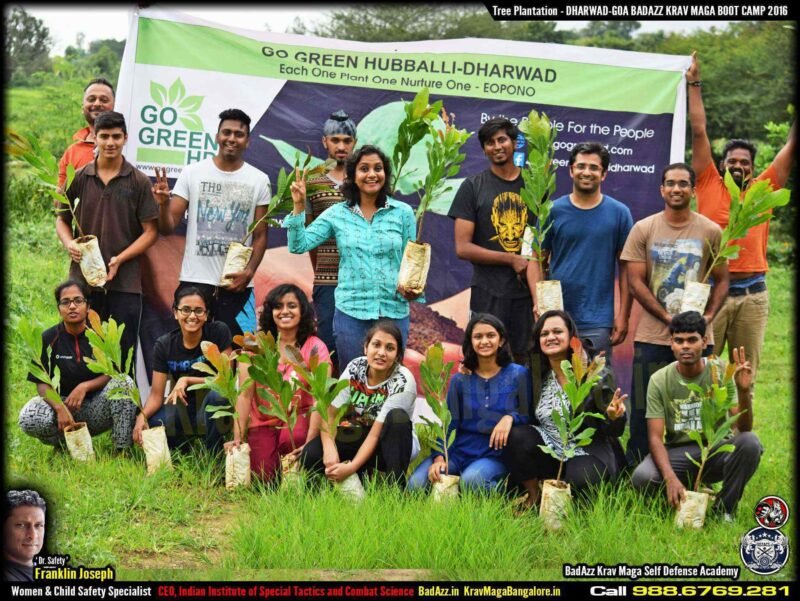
(601, 340)
(350, 333)
(324, 306)
(480, 475)
(183, 422)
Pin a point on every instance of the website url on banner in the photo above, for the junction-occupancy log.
(146, 167)
(498, 592)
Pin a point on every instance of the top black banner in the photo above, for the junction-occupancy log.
(619, 10)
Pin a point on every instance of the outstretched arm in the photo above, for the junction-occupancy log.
(701, 146)
(783, 160)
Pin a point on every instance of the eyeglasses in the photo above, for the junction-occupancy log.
(79, 301)
(187, 311)
(683, 184)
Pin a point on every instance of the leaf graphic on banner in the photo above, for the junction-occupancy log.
(289, 152)
(176, 91)
(192, 122)
(158, 93)
(191, 104)
(442, 204)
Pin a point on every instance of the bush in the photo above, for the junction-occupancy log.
(25, 201)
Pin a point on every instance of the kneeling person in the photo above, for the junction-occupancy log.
(671, 408)
(84, 393)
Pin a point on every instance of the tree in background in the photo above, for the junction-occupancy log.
(28, 45)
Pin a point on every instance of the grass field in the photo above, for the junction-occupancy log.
(183, 525)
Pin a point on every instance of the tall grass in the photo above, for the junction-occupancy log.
(183, 524)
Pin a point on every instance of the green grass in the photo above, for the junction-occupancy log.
(183, 525)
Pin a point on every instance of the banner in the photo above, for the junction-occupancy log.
(179, 72)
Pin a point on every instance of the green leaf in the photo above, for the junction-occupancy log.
(192, 122)
(177, 91)
(158, 93)
(191, 104)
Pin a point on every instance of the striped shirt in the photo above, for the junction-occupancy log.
(326, 268)
(369, 254)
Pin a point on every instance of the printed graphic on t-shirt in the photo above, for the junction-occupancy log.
(223, 215)
(181, 367)
(509, 217)
(367, 402)
(687, 414)
(675, 262)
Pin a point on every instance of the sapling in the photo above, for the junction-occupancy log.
(580, 380)
(238, 254)
(222, 378)
(45, 169)
(105, 338)
(419, 115)
(714, 417)
(31, 334)
(539, 177)
(444, 161)
(276, 395)
(748, 211)
(435, 378)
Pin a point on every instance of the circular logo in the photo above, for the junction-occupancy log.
(772, 512)
(764, 551)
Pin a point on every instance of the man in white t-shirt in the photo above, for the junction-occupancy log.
(224, 196)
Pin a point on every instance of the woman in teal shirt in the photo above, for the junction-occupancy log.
(371, 231)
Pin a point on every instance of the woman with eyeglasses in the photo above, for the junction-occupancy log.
(182, 411)
(84, 393)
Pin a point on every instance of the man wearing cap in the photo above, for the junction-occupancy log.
(338, 138)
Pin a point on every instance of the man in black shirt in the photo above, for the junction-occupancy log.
(490, 219)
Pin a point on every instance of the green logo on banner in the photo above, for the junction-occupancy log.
(174, 132)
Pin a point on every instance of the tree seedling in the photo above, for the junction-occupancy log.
(435, 376)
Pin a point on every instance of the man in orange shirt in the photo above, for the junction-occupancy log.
(742, 320)
(98, 96)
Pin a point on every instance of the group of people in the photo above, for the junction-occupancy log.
(511, 381)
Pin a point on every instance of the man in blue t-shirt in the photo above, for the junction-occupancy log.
(583, 246)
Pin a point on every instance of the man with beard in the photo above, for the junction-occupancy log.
(490, 219)
(338, 138)
(223, 195)
(23, 534)
(742, 320)
(98, 96)
(587, 234)
(665, 251)
(674, 410)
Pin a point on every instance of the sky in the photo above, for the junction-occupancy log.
(99, 22)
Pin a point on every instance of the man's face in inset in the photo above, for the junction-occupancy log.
(339, 147)
(509, 217)
(97, 99)
(23, 534)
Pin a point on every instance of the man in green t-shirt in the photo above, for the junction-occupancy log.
(673, 411)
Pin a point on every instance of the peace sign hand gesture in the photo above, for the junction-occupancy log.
(743, 376)
(161, 189)
(298, 189)
(616, 408)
